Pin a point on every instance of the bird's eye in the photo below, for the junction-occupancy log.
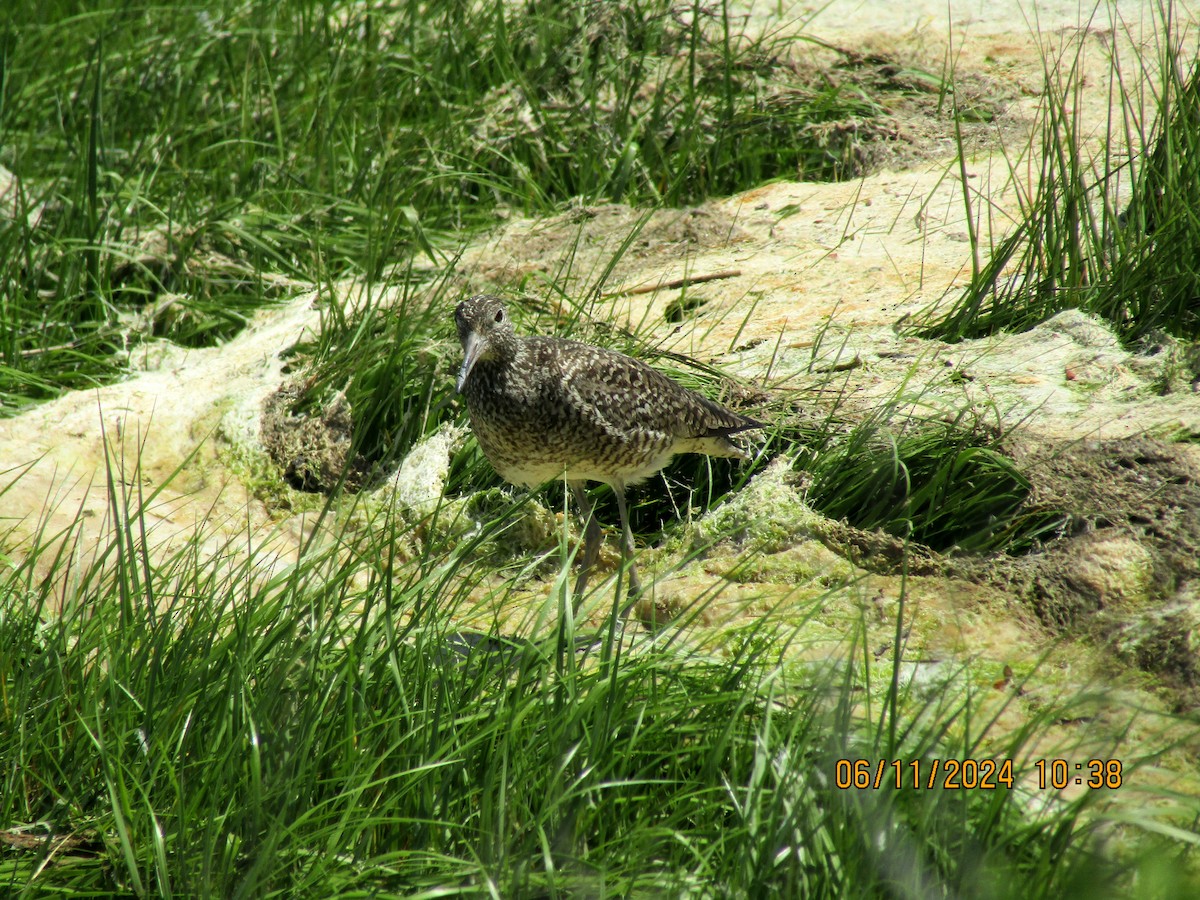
(499, 316)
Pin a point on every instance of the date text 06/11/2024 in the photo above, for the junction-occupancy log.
(974, 774)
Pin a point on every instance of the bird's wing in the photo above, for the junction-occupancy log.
(622, 394)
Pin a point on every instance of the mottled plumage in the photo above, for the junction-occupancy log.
(545, 408)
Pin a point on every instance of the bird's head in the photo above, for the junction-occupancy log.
(484, 330)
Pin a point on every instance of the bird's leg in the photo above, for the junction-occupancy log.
(635, 587)
(591, 540)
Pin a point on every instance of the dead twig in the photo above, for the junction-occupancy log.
(676, 283)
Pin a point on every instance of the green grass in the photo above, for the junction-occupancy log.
(189, 730)
(949, 486)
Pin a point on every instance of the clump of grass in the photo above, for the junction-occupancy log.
(645, 102)
(1078, 243)
(1154, 279)
(389, 360)
(180, 727)
(946, 486)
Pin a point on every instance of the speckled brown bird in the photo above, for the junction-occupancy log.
(545, 407)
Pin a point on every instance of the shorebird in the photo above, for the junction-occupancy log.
(544, 408)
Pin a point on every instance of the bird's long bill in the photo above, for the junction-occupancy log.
(472, 347)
